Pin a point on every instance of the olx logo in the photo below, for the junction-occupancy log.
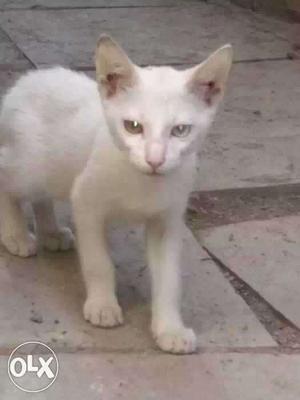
(33, 367)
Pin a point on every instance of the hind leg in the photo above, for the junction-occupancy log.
(14, 232)
(52, 237)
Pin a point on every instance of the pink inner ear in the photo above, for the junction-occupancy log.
(206, 90)
(111, 84)
(210, 92)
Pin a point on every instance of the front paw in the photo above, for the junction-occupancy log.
(19, 244)
(101, 313)
(178, 341)
(61, 240)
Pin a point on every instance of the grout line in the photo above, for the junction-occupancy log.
(89, 68)
(13, 68)
(174, 64)
(275, 321)
(257, 60)
(285, 188)
(156, 352)
(18, 48)
(65, 8)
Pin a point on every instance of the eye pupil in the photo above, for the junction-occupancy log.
(181, 130)
(133, 127)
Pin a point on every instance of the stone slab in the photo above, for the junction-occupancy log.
(265, 254)
(211, 304)
(49, 287)
(164, 377)
(10, 56)
(279, 26)
(68, 37)
(256, 136)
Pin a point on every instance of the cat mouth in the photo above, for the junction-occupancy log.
(154, 173)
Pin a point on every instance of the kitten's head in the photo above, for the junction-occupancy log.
(159, 115)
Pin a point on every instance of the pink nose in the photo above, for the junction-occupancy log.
(155, 154)
(155, 163)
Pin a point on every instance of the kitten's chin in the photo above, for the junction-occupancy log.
(155, 173)
(149, 172)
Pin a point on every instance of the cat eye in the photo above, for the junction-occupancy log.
(133, 127)
(181, 131)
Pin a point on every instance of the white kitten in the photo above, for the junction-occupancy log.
(142, 137)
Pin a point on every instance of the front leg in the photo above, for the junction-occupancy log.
(14, 233)
(163, 249)
(52, 236)
(101, 307)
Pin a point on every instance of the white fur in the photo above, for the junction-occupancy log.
(51, 121)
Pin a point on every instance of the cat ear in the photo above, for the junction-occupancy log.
(114, 70)
(208, 80)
